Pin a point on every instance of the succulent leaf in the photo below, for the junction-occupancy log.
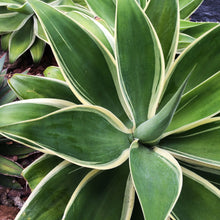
(197, 146)
(30, 87)
(140, 60)
(197, 194)
(53, 193)
(35, 172)
(160, 14)
(157, 179)
(110, 184)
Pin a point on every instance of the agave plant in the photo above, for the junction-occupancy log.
(20, 29)
(128, 132)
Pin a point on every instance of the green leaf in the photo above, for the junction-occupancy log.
(151, 130)
(157, 179)
(29, 87)
(193, 106)
(21, 40)
(199, 200)
(105, 145)
(193, 61)
(5, 41)
(91, 81)
(8, 2)
(9, 167)
(104, 9)
(94, 27)
(160, 14)
(97, 185)
(35, 172)
(12, 21)
(187, 7)
(29, 109)
(210, 174)
(50, 197)
(196, 29)
(139, 58)
(9, 182)
(53, 72)
(37, 50)
(184, 41)
(197, 146)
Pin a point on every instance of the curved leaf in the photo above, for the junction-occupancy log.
(139, 58)
(9, 167)
(193, 61)
(151, 130)
(29, 87)
(12, 21)
(21, 40)
(101, 144)
(198, 200)
(95, 28)
(193, 106)
(51, 196)
(157, 179)
(91, 81)
(196, 29)
(23, 110)
(197, 146)
(37, 50)
(160, 14)
(53, 72)
(37, 170)
(104, 9)
(187, 7)
(103, 191)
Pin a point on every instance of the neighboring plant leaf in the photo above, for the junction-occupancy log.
(9, 167)
(104, 9)
(197, 146)
(20, 41)
(160, 14)
(53, 72)
(9, 182)
(80, 75)
(12, 21)
(14, 149)
(187, 7)
(105, 146)
(29, 87)
(5, 41)
(94, 187)
(198, 200)
(145, 52)
(37, 50)
(52, 193)
(35, 172)
(157, 179)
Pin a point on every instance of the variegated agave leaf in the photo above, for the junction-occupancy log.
(134, 123)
